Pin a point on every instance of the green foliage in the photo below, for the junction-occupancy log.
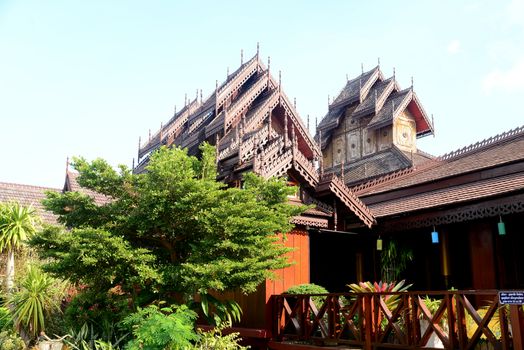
(394, 260)
(156, 328)
(172, 229)
(217, 311)
(17, 224)
(86, 339)
(37, 297)
(215, 340)
(6, 320)
(95, 257)
(382, 287)
(309, 288)
(10, 341)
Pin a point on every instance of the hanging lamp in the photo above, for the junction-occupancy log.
(434, 236)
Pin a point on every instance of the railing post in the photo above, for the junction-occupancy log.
(368, 322)
(517, 327)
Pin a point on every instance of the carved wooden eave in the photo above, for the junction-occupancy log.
(332, 185)
(310, 221)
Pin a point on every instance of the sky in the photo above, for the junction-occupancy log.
(88, 78)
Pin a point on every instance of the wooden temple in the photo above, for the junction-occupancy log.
(461, 214)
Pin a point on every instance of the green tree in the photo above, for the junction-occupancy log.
(171, 230)
(17, 224)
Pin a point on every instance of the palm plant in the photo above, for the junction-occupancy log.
(17, 224)
(38, 296)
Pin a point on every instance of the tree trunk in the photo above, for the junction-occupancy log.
(10, 271)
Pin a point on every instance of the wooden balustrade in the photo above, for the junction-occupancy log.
(454, 320)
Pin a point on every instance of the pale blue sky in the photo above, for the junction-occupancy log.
(89, 77)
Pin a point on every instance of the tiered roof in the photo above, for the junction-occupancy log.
(372, 95)
(254, 126)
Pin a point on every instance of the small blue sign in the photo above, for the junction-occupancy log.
(515, 297)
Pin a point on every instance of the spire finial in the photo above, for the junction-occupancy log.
(411, 82)
(67, 163)
(174, 112)
(394, 73)
(133, 166)
(258, 49)
(149, 134)
(362, 68)
(227, 72)
(268, 63)
(347, 77)
(378, 61)
(201, 100)
(216, 84)
(329, 100)
(279, 80)
(241, 56)
(185, 100)
(139, 143)
(308, 123)
(295, 102)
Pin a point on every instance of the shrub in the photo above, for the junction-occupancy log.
(156, 328)
(215, 340)
(11, 341)
(309, 288)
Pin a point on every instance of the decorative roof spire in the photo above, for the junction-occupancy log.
(149, 134)
(347, 77)
(139, 143)
(67, 163)
(133, 166)
(279, 81)
(329, 101)
(362, 68)
(295, 103)
(174, 114)
(227, 72)
(258, 49)
(241, 56)
(201, 100)
(185, 99)
(308, 123)
(394, 73)
(378, 61)
(411, 83)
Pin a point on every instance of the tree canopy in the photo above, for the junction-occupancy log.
(171, 229)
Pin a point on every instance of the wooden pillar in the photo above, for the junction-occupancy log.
(444, 257)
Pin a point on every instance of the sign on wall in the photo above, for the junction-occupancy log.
(514, 297)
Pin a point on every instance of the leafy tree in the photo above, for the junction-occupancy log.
(17, 224)
(173, 230)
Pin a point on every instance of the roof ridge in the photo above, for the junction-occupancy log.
(482, 144)
(12, 184)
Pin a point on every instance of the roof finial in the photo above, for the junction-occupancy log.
(67, 163)
(295, 102)
(279, 80)
(216, 85)
(378, 61)
(139, 143)
(227, 72)
(174, 112)
(412, 83)
(133, 166)
(394, 73)
(362, 68)
(201, 100)
(149, 134)
(241, 56)
(308, 123)
(185, 100)
(258, 49)
(329, 100)
(347, 77)
(268, 63)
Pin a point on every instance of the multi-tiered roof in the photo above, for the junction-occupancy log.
(374, 103)
(255, 127)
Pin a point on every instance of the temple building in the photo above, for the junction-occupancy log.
(372, 127)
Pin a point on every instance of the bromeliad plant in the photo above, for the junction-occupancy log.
(382, 287)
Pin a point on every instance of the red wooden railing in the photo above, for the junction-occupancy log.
(457, 320)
